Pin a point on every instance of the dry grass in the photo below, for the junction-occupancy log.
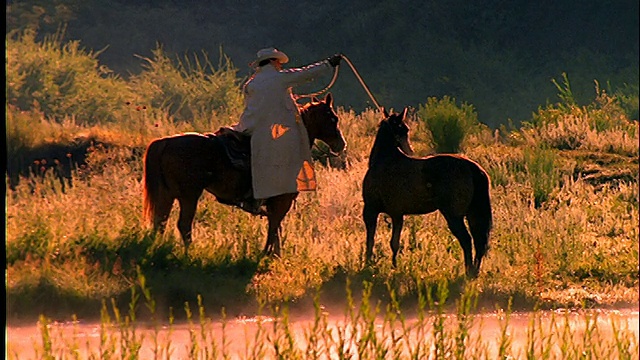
(581, 236)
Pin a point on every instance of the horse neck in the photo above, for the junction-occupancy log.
(307, 120)
(384, 146)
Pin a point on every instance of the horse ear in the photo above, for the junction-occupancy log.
(328, 99)
(404, 113)
(384, 111)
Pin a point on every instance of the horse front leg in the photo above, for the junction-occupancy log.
(397, 222)
(277, 208)
(370, 217)
(272, 246)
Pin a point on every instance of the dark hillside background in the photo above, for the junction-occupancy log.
(499, 56)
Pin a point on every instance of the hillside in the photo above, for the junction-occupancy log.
(500, 57)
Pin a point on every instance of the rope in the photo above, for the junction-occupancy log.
(333, 80)
(330, 153)
(366, 88)
(318, 93)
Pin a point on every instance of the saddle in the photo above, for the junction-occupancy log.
(237, 146)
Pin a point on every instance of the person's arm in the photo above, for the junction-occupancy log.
(297, 76)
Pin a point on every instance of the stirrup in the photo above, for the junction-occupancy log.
(253, 206)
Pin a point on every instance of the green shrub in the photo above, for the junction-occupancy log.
(602, 125)
(627, 98)
(448, 123)
(604, 113)
(61, 80)
(189, 89)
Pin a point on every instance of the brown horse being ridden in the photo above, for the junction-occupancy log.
(398, 184)
(183, 166)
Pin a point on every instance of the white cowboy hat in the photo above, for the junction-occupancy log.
(270, 53)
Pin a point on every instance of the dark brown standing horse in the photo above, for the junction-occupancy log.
(183, 166)
(398, 184)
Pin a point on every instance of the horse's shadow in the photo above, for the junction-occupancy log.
(163, 284)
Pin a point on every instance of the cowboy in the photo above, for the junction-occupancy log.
(280, 149)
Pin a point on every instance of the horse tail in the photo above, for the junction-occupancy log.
(480, 216)
(153, 178)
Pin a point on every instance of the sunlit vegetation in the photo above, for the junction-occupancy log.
(564, 196)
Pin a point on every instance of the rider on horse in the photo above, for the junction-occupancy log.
(280, 151)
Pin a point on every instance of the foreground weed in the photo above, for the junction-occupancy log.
(505, 342)
(47, 347)
(624, 343)
(130, 343)
(313, 335)
(362, 336)
(466, 303)
(441, 346)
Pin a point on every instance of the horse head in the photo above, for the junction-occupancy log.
(399, 130)
(321, 122)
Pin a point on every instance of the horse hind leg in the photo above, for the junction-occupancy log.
(188, 205)
(480, 231)
(459, 230)
(161, 211)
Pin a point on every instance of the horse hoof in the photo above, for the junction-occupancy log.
(472, 274)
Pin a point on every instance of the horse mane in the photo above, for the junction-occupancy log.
(383, 144)
(385, 131)
(328, 99)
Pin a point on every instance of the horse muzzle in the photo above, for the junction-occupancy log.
(337, 145)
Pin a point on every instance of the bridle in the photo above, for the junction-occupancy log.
(308, 112)
(332, 82)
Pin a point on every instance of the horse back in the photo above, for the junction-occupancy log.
(399, 186)
(453, 172)
(412, 185)
(183, 161)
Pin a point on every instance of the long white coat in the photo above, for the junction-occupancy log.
(279, 140)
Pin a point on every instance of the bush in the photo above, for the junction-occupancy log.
(627, 98)
(189, 89)
(602, 125)
(448, 123)
(61, 80)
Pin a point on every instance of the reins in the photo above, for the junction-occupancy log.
(333, 80)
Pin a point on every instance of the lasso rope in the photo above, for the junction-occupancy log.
(333, 80)
(318, 93)
(366, 88)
